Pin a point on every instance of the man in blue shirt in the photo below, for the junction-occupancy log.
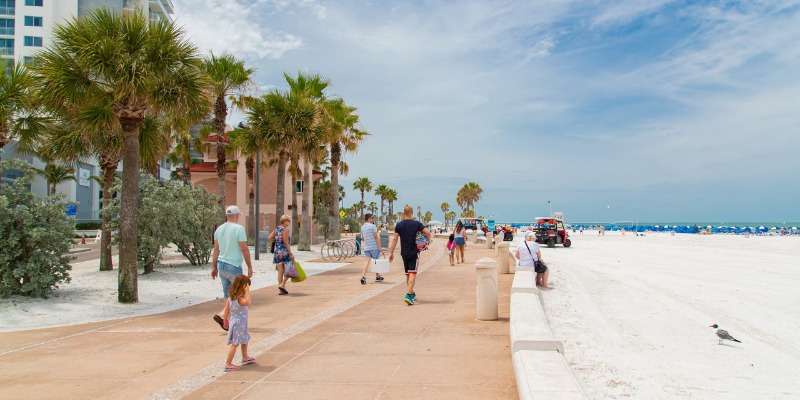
(230, 250)
(406, 230)
(372, 246)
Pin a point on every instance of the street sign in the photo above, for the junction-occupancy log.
(72, 210)
(341, 213)
(491, 224)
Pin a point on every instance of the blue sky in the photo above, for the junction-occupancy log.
(614, 110)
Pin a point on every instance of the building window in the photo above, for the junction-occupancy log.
(34, 3)
(7, 47)
(33, 21)
(9, 65)
(27, 60)
(7, 7)
(6, 26)
(298, 186)
(34, 41)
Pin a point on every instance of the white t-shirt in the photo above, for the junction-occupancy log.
(526, 258)
(368, 231)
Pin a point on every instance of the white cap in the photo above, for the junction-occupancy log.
(232, 210)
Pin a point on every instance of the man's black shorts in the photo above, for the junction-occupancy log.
(410, 263)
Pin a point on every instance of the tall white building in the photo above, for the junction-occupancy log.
(25, 28)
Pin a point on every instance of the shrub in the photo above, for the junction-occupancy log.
(87, 226)
(36, 236)
(170, 212)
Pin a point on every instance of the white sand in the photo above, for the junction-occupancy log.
(92, 295)
(634, 314)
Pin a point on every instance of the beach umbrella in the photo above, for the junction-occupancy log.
(794, 228)
(435, 222)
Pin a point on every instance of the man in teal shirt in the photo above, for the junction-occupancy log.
(230, 249)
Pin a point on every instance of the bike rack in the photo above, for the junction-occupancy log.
(338, 249)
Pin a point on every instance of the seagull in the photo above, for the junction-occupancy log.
(723, 334)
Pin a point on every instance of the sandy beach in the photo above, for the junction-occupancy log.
(92, 295)
(634, 315)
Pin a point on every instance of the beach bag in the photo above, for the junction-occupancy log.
(422, 241)
(539, 267)
(301, 275)
(290, 271)
(380, 266)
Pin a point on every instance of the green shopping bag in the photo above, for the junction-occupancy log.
(301, 275)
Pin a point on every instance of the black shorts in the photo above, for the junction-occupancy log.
(410, 263)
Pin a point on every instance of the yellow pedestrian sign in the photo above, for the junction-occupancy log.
(341, 213)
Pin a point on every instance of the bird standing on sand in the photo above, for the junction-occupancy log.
(723, 334)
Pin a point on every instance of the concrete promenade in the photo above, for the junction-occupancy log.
(331, 338)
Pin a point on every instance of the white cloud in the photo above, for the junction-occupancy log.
(235, 26)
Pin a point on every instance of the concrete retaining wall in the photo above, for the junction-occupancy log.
(540, 368)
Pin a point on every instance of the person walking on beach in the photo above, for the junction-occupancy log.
(372, 246)
(230, 250)
(461, 240)
(530, 255)
(283, 252)
(406, 230)
(451, 248)
(238, 333)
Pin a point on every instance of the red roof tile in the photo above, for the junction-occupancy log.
(208, 167)
(213, 139)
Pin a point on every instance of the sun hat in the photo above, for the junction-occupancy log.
(232, 210)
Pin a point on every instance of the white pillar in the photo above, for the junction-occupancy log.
(475, 236)
(486, 290)
(502, 258)
(489, 236)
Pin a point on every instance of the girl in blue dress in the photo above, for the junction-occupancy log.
(283, 252)
(238, 334)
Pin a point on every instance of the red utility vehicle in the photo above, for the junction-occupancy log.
(551, 231)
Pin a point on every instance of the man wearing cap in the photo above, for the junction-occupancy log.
(230, 249)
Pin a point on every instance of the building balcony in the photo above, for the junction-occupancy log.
(10, 10)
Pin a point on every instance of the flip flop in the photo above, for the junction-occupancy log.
(283, 290)
(222, 322)
(229, 368)
(250, 360)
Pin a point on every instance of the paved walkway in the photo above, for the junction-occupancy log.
(331, 338)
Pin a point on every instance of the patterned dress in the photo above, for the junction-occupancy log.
(281, 254)
(237, 328)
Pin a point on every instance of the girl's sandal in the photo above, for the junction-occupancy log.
(229, 368)
(249, 360)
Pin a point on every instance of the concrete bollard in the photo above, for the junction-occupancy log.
(475, 236)
(489, 236)
(486, 290)
(502, 258)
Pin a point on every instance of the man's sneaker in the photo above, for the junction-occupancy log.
(414, 297)
(409, 300)
(379, 279)
(363, 280)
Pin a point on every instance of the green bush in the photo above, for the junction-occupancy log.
(36, 236)
(87, 226)
(170, 212)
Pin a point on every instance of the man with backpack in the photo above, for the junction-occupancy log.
(406, 230)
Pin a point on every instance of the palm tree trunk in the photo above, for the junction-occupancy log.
(220, 113)
(305, 229)
(362, 204)
(129, 212)
(251, 206)
(109, 168)
(335, 230)
(295, 223)
(187, 164)
(280, 206)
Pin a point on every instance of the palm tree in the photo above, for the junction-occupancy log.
(381, 192)
(391, 197)
(109, 72)
(246, 142)
(311, 87)
(278, 118)
(468, 195)
(372, 207)
(345, 137)
(228, 79)
(363, 185)
(451, 216)
(15, 102)
(428, 216)
(445, 208)
(55, 174)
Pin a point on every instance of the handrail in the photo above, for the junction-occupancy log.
(338, 249)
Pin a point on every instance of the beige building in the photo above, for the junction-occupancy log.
(236, 189)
